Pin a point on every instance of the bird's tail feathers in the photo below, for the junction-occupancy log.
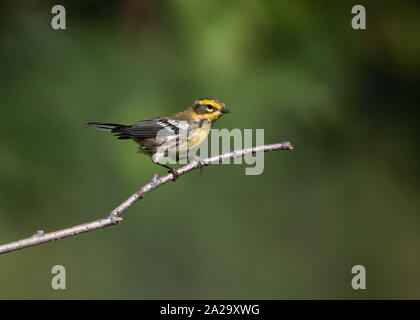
(111, 127)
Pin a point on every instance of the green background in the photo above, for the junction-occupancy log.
(348, 194)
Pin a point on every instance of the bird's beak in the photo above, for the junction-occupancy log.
(224, 110)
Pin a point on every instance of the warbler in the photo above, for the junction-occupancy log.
(171, 135)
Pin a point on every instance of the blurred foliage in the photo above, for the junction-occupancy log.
(347, 195)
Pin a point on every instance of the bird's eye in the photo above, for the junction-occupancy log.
(210, 108)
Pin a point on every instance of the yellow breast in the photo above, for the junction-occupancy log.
(197, 136)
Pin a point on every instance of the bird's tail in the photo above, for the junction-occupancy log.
(111, 127)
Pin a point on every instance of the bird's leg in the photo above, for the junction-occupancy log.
(175, 174)
(156, 157)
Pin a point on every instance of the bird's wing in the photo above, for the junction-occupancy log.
(151, 128)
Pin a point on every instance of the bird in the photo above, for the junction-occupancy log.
(171, 135)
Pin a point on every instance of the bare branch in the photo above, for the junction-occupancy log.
(115, 216)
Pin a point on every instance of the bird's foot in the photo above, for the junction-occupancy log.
(175, 174)
(200, 165)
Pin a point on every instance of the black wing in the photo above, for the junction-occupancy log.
(151, 128)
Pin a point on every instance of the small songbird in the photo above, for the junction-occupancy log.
(164, 136)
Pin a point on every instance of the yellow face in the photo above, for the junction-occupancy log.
(209, 109)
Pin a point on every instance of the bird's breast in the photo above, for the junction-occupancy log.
(198, 135)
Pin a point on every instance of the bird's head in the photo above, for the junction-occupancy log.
(209, 109)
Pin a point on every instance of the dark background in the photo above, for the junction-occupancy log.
(348, 194)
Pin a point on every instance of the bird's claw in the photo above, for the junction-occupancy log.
(175, 174)
(199, 164)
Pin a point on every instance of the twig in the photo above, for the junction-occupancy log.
(115, 216)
